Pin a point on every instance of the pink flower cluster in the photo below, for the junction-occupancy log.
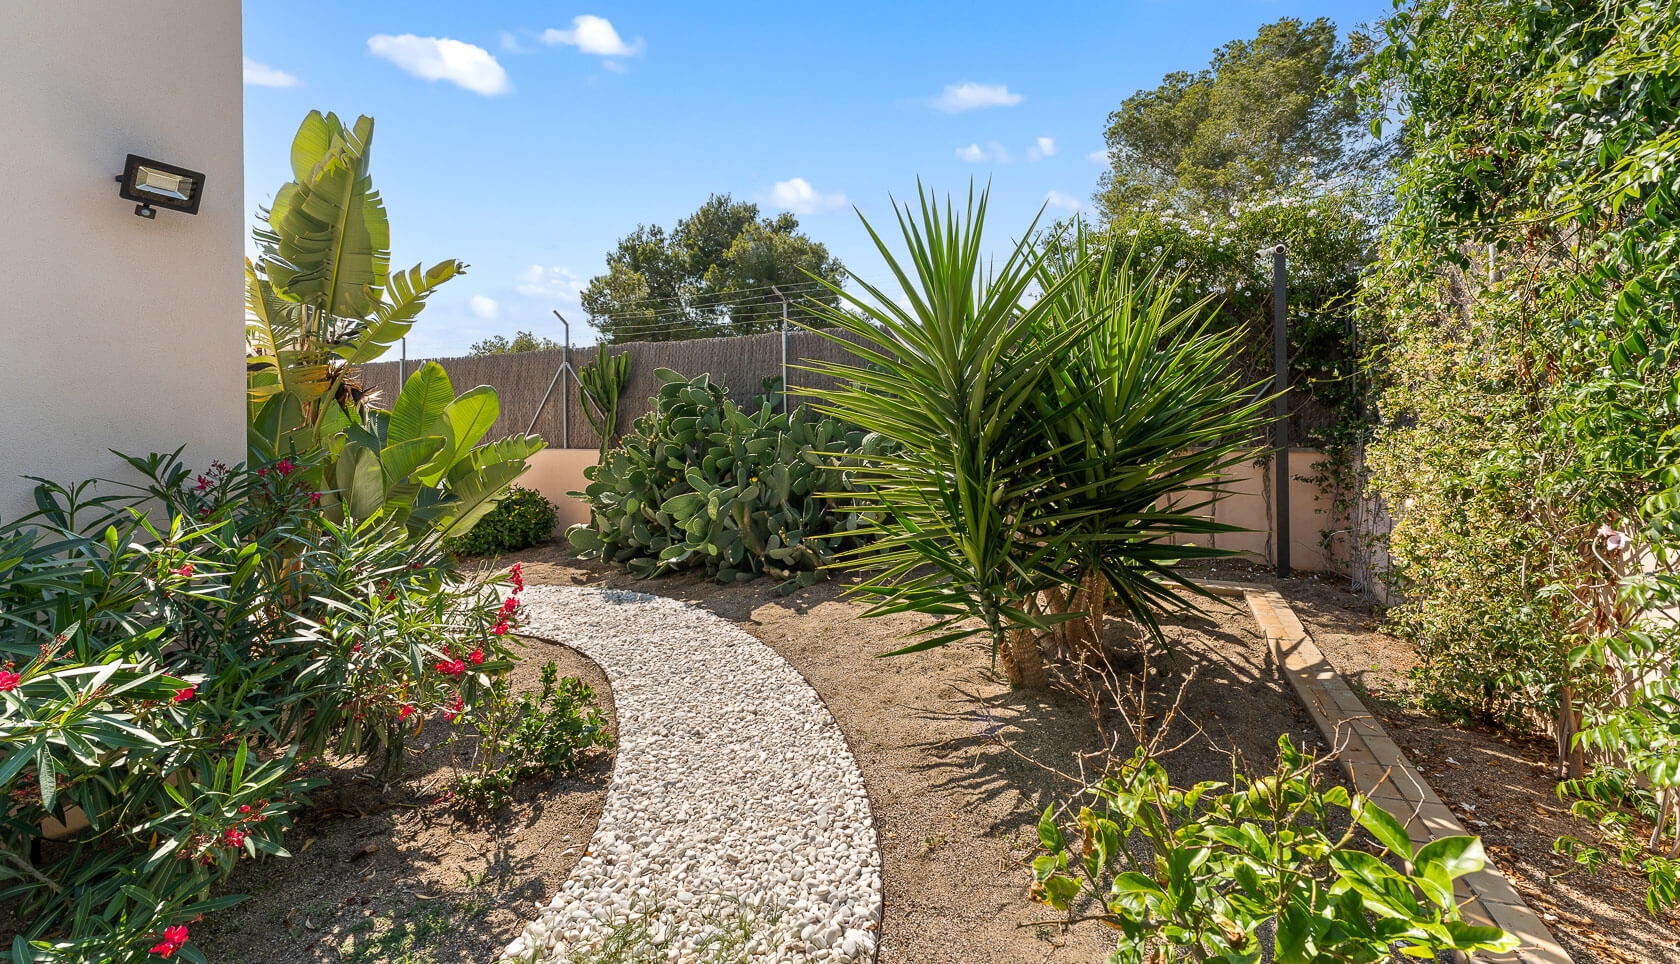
(9, 680)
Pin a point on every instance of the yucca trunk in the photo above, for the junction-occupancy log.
(1023, 664)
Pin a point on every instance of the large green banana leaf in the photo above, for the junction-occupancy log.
(332, 236)
(406, 294)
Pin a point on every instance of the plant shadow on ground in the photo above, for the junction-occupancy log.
(944, 746)
(396, 874)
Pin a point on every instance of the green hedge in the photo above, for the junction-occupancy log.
(521, 520)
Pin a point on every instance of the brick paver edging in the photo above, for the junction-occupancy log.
(1380, 771)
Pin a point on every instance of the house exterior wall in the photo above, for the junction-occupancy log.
(118, 332)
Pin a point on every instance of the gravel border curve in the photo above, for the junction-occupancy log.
(736, 811)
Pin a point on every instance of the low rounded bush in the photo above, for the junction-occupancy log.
(521, 520)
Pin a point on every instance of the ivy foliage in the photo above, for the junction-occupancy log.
(1527, 292)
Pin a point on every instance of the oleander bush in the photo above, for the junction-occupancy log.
(700, 484)
(523, 518)
(170, 682)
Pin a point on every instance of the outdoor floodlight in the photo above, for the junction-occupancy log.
(155, 184)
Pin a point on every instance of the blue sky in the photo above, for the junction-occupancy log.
(525, 138)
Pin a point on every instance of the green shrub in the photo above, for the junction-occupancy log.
(522, 519)
(1214, 867)
(173, 682)
(538, 735)
(701, 485)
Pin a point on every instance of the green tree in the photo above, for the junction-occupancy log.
(1264, 114)
(522, 341)
(1256, 149)
(710, 275)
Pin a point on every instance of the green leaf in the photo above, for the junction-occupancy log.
(1382, 825)
(1049, 834)
(423, 401)
(1458, 855)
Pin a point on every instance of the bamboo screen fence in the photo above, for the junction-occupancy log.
(521, 379)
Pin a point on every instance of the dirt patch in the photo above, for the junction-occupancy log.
(1500, 785)
(396, 874)
(955, 810)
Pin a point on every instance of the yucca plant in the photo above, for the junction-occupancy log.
(1033, 442)
(1144, 413)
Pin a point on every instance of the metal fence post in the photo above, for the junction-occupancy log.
(1280, 384)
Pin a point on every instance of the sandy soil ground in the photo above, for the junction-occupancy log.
(941, 742)
(396, 874)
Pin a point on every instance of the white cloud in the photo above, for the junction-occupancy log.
(972, 96)
(262, 75)
(553, 282)
(1098, 157)
(975, 154)
(798, 196)
(593, 35)
(485, 308)
(510, 42)
(440, 58)
(1066, 202)
(1042, 148)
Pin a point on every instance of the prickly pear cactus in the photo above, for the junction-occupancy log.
(700, 485)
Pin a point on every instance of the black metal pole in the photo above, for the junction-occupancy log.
(1280, 365)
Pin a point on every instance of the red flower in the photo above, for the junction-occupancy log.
(500, 628)
(476, 657)
(244, 808)
(314, 498)
(173, 938)
(285, 467)
(406, 712)
(356, 648)
(182, 695)
(233, 837)
(455, 708)
(451, 667)
(185, 570)
(262, 473)
(517, 574)
(203, 484)
(9, 681)
(510, 605)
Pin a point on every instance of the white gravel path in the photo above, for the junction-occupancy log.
(734, 797)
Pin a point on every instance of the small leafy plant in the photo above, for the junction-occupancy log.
(536, 735)
(522, 519)
(1194, 874)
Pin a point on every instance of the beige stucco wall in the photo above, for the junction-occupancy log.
(115, 331)
(1246, 501)
(554, 472)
